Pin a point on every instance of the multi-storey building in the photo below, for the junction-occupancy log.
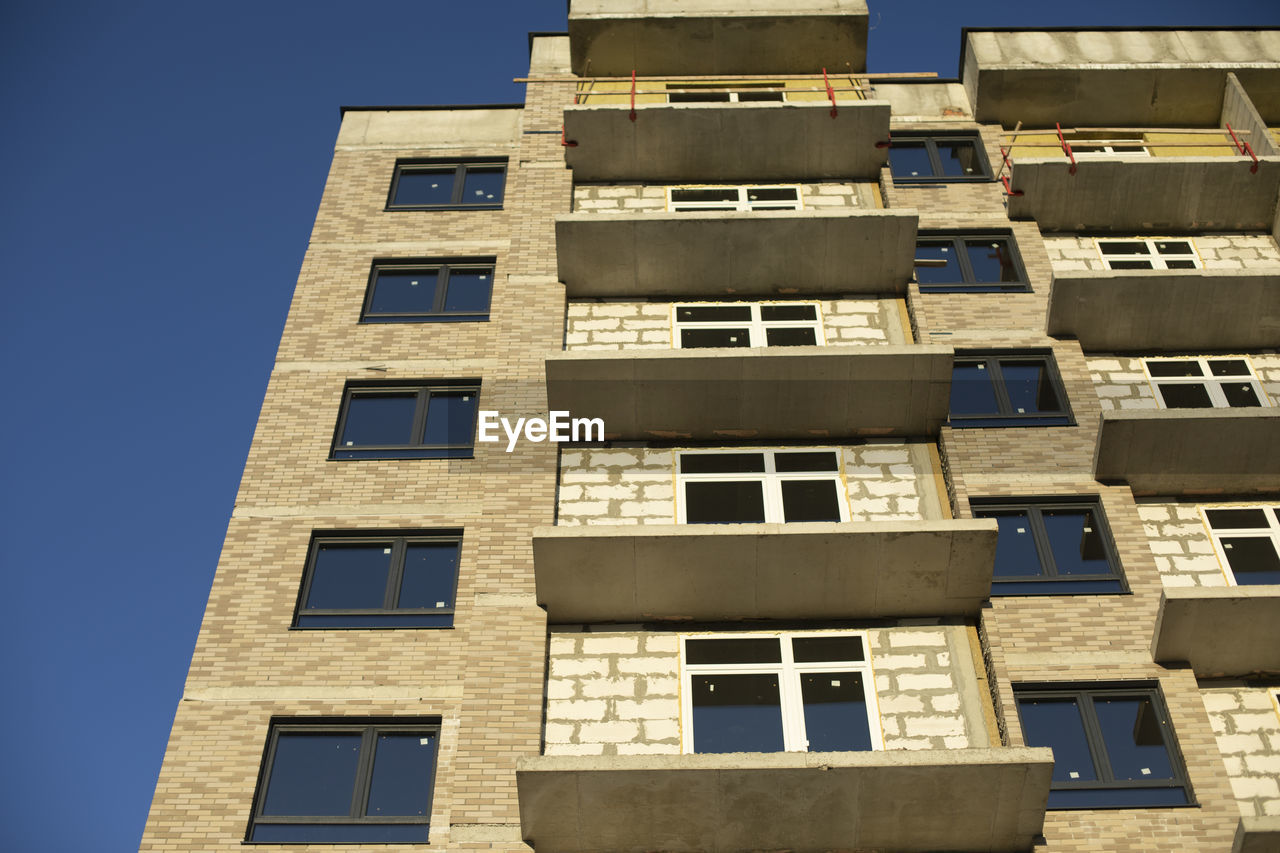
(937, 505)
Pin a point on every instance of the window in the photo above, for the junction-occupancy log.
(387, 581)
(733, 198)
(346, 782)
(399, 421)
(1142, 254)
(938, 158)
(1113, 747)
(773, 324)
(756, 486)
(978, 263)
(423, 291)
(444, 185)
(697, 93)
(775, 693)
(1007, 389)
(1052, 548)
(1204, 383)
(1247, 541)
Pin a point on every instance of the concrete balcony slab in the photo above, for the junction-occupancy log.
(773, 253)
(1167, 310)
(764, 571)
(1190, 451)
(1220, 631)
(1257, 835)
(903, 800)
(1146, 194)
(727, 142)
(613, 37)
(776, 393)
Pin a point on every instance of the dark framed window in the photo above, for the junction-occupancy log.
(341, 781)
(1052, 547)
(447, 184)
(1113, 746)
(424, 291)
(370, 580)
(938, 158)
(1011, 388)
(407, 421)
(974, 263)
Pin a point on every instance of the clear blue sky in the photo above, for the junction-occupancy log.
(160, 167)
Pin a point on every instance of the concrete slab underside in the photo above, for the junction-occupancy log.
(960, 800)
(1257, 835)
(727, 142)
(1190, 451)
(764, 571)
(1159, 310)
(1220, 631)
(774, 253)
(776, 393)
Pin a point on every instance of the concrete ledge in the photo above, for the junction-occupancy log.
(1159, 310)
(762, 253)
(777, 393)
(1257, 835)
(1220, 631)
(727, 142)
(903, 800)
(609, 38)
(764, 571)
(1145, 194)
(1190, 451)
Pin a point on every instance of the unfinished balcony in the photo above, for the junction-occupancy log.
(615, 37)
(1220, 631)
(1120, 180)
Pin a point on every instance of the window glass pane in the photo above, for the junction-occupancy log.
(805, 461)
(1240, 395)
(401, 782)
(1235, 519)
(1124, 248)
(759, 96)
(909, 160)
(1057, 723)
(724, 503)
(468, 291)
(349, 577)
(938, 250)
(730, 194)
(1174, 368)
(1252, 559)
(713, 313)
(835, 711)
(483, 185)
(403, 292)
(696, 97)
(810, 500)
(1131, 732)
(419, 186)
(451, 418)
(736, 713)
(1131, 265)
(959, 158)
(1016, 554)
(1029, 386)
(721, 463)
(791, 337)
(771, 194)
(788, 312)
(1180, 265)
(1076, 542)
(838, 648)
(699, 338)
(1184, 396)
(1173, 247)
(738, 650)
(971, 390)
(379, 419)
(991, 259)
(1228, 367)
(312, 774)
(429, 573)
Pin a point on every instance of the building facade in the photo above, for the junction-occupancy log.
(913, 487)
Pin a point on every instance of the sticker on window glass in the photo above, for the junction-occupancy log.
(1022, 530)
(424, 741)
(386, 550)
(414, 283)
(1074, 775)
(441, 604)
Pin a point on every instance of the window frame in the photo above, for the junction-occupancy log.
(969, 283)
(368, 728)
(776, 87)
(930, 141)
(461, 166)
(1048, 578)
(790, 698)
(770, 478)
(423, 390)
(742, 205)
(398, 541)
(1211, 383)
(1158, 260)
(1084, 694)
(757, 327)
(441, 268)
(1006, 417)
(1272, 532)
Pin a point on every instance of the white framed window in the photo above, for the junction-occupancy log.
(1204, 383)
(748, 197)
(747, 324)
(746, 486)
(1154, 253)
(778, 692)
(701, 93)
(1093, 150)
(1246, 540)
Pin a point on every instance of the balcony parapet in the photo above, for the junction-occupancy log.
(1220, 631)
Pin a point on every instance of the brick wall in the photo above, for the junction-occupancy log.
(1217, 252)
(1246, 721)
(652, 198)
(1122, 384)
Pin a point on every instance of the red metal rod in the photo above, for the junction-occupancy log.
(565, 143)
(1008, 190)
(1066, 148)
(633, 94)
(831, 93)
(1244, 148)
